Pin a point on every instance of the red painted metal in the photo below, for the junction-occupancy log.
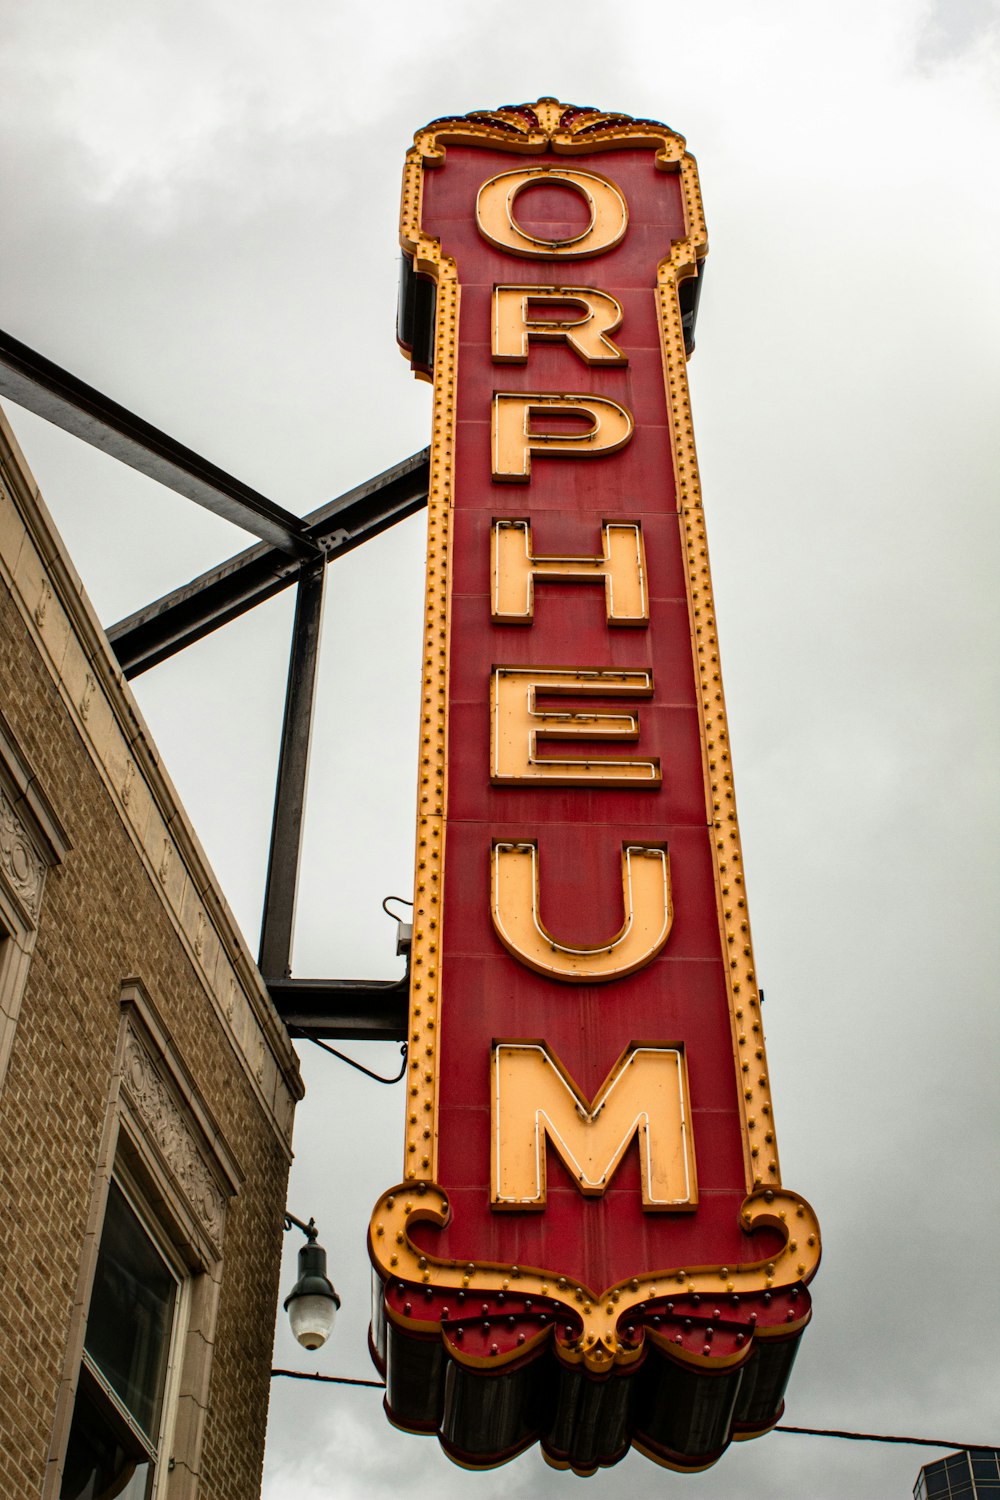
(681, 995)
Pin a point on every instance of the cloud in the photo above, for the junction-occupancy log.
(202, 221)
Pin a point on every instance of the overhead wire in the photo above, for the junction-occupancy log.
(827, 1432)
(882, 1437)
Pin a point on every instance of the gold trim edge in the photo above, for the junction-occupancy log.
(394, 1255)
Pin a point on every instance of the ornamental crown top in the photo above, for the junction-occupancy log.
(548, 117)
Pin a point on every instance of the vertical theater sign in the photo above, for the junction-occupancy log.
(591, 1246)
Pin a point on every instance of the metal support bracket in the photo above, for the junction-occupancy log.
(359, 1010)
(185, 615)
(291, 551)
(50, 392)
(278, 921)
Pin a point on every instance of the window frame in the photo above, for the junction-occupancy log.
(98, 1388)
(29, 821)
(17, 941)
(138, 1151)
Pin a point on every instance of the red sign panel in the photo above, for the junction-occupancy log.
(591, 1246)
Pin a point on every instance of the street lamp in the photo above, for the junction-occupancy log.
(312, 1303)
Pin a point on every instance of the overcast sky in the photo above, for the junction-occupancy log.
(200, 218)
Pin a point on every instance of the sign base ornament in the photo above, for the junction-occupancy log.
(600, 1254)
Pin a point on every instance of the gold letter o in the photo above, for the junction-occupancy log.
(496, 222)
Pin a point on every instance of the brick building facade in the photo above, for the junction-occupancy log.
(147, 1087)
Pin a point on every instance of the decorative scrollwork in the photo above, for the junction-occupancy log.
(547, 117)
(21, 866)
(174, 1137)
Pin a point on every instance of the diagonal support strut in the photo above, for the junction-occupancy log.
(53, 393)
(223, 593)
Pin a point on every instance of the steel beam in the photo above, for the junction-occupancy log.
(50, 392)
(358, 1010)
(185, 615)
(278, 922)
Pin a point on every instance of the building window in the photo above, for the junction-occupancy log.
(120, 1419)
(973, 1474)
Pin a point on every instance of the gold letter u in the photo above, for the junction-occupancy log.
(648, 915)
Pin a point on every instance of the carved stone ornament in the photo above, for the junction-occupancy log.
(174, 1137)
(21, 866)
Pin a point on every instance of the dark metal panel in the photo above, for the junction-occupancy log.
(50, 392)
(361, 1010)
(280, 887)
(223, 593)
(689, 296)
(415, 316)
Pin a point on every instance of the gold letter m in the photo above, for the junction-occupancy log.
(535, 1099)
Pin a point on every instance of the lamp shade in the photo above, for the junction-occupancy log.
(312, 1303)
